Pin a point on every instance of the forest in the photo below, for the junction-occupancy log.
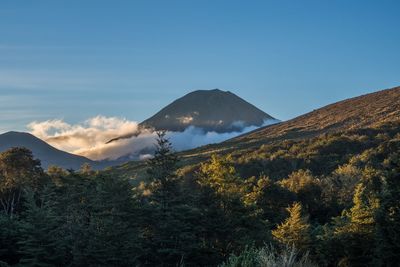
(330, 200)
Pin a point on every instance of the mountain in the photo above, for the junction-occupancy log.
(47, 154)
(211, 110)
(363, 112)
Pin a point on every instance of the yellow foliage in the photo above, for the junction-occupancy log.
(295, 231)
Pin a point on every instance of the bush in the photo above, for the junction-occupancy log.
(268, 256)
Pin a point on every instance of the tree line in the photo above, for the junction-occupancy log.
(344, 212)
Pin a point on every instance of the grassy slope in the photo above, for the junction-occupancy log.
(360, 112)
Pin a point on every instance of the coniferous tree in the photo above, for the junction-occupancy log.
(9, 237)
(100, 221)
(295, 231)
(162, 171)
(41, 242)
(357, 229)
(229, 223)
(270, 199)
(387, 251)
(169, 222)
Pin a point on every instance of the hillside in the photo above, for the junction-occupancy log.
(47, 154)
(359, 112)
(366, 111)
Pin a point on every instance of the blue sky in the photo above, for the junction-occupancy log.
(73, 60)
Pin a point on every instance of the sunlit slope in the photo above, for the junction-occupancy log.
(359, 112)
(365, 111)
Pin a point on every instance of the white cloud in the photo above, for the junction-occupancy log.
(90, 137)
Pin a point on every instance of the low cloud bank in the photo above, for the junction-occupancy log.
(90, 138)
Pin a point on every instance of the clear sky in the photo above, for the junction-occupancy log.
(73, 60)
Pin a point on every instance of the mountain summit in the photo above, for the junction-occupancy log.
(210, 110)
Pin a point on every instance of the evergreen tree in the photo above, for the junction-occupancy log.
(100, 222)
(229, 223)
(9, 235)
(162, 171)
(111, 228)
(41, 242)
(270, 200)
(169, 220)
(295, 231)
(357, 229)
(308, 191)
(388, 216)
(220, 175)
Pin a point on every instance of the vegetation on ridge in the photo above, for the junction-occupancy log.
(334, 199)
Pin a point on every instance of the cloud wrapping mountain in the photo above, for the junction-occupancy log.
(90, 138)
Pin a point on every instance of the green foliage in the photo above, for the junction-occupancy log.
(269, 199)
(41, 239)
(388, 216)
(169, 225)
(345, 188)
(248, 257)
(9, 235)
(18, 170)
(220, 175)
(223, 199)
(99, 221)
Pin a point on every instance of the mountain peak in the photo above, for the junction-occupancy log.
(15, 133)
(210, 92)
(210, 110)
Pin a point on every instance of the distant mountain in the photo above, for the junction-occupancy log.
(47, 154)
(211, 110)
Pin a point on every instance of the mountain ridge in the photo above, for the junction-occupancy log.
(47, 154)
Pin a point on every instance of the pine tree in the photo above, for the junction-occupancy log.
(295, 231)
(229, 223)
(357, 229)
(111, 228)
(100, 221)
(220, 174)
(169, 221)
(9, 236)
(162, 171)
(41, 241)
